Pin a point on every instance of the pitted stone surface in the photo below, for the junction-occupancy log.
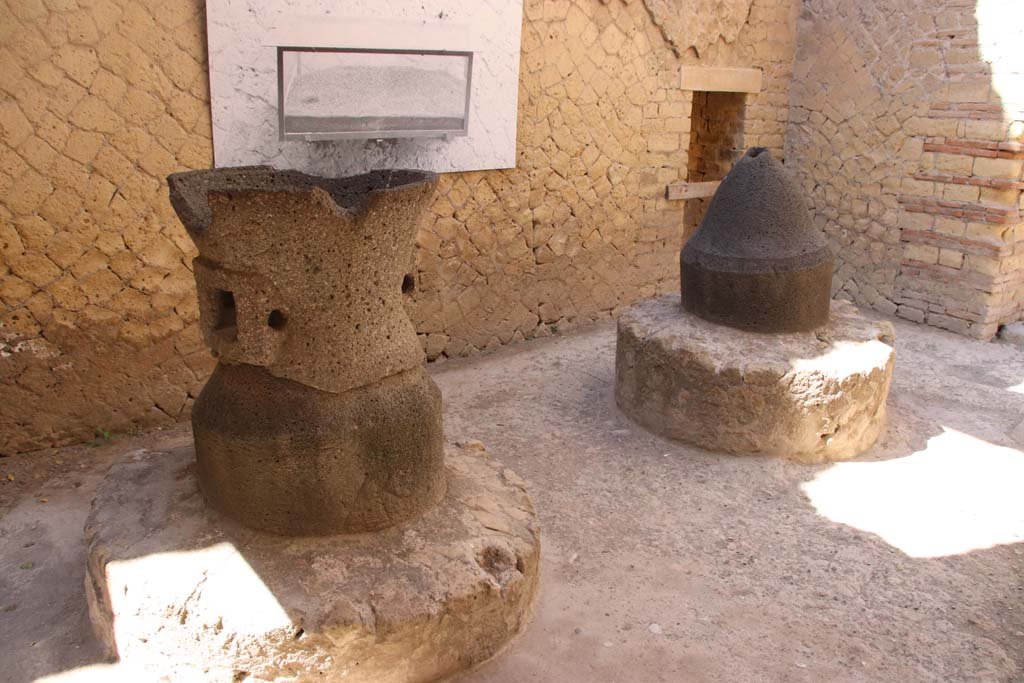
(303, 275)
(757, 262)
(319, 418)
(809, 396)
(177, 591)
(291, 460)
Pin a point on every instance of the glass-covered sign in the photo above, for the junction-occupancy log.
(343, 93)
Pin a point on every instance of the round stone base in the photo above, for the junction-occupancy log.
(178, 592)
(810, 396)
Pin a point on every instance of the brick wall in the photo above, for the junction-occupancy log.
(912, 159)
(103, 98)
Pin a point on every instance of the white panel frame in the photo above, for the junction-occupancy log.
(243, 35)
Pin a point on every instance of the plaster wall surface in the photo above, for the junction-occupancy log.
(906, 130)
(103, 98)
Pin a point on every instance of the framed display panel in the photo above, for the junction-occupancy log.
(250, 84)
(334, 93)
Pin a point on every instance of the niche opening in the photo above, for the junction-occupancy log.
(716, 143)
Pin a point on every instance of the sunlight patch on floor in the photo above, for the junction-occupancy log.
(957, 495)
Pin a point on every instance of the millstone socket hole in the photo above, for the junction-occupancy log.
(277, 319)
(497, 561)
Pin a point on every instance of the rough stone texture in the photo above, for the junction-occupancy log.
(319, 418)
(906, 127)
(176, 591)
(757, 262)
(720, 79)
(809, 396)
(698, 24)
(99, 319)
(279, 456)
(99, 101)
(303, 275)
(581, 226)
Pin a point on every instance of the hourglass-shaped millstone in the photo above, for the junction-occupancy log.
(319, 417)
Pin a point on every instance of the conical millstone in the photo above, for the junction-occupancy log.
(757, 262)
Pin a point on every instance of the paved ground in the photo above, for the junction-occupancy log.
(665, 563)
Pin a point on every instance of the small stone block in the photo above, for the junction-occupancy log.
(720, 79)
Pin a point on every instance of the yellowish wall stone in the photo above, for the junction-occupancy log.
(894, 130)
(101, 99)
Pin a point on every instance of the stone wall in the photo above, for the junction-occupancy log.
(101, 100)
(104, 98)
(581, 227)
(912, 154)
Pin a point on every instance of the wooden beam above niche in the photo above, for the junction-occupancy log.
(699, 190)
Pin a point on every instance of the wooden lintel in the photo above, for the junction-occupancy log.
(692, 190)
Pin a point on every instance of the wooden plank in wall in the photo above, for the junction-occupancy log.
(692, 190)
(720, 79)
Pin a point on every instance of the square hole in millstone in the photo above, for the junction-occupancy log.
(226, 315)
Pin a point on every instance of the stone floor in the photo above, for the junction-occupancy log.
(662, 562)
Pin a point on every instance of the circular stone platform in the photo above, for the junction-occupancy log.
(810, 396)
(178, 592)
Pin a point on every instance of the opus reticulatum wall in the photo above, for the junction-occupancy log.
(103, 98)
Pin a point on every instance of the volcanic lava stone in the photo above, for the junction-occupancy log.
(757, 262)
